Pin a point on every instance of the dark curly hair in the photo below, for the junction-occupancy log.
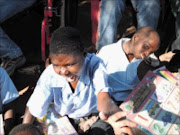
(66, 40)
(25, 128)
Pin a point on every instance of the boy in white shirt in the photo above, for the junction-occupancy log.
(72, 82)
(121, 60)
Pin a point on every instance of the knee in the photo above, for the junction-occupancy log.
(112, 6)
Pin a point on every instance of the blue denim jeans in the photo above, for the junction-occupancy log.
(176, 43)
(111, 13)
(9, 8)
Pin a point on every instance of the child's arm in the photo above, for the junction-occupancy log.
(28, 117)
(8, 112)
(106, 104)
(112, 114)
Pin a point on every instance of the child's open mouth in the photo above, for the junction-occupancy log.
(71, 78)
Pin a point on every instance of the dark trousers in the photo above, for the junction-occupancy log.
(100, 127)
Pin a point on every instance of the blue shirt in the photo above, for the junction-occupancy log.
(53, 87)
(8, 91)
(122, 74)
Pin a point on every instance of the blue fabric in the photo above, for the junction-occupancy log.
(111, 13)
(122, 74)
(8, 91)
(144, 130)
(9, 8)
(53, 87)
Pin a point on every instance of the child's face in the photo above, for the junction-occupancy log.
(68, 65)
(143, 47)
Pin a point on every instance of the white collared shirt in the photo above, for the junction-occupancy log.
(122, 74)
(53, 87)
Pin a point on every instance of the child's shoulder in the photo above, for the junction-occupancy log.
(2, 70)
(49, 73)
(93, 63)
(48, 70)
(50, 78)
(93, 59)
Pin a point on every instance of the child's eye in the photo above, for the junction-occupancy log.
(146, 47)
(55, 65)
(70, 65)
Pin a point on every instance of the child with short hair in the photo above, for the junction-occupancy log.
(25, 129)
(121, 61)
(122, 58)
(72, 81)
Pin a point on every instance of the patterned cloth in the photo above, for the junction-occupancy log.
(53, 123)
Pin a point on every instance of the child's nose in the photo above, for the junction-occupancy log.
(63, 71)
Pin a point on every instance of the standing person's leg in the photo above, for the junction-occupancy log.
(12, 7)
(176, 43)
(8, 48)
(148, 12)
(110, 15)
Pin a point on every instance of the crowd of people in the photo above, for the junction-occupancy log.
(80, 84)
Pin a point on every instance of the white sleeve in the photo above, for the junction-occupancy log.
(41, 98)
(103, 54)
(100, 79)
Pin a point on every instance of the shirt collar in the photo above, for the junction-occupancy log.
(85, 76)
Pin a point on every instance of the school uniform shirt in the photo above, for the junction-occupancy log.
(53, 87)
(8, 91)
(122, 74)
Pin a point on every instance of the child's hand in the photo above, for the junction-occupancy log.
(122, 126)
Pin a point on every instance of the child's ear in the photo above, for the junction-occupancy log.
(135, 37)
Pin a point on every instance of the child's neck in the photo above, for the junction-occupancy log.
(73, 85)
(127, 50)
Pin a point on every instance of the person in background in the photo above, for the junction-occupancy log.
(111, 12)
(121, 60)
(8, 94)
(11, 56)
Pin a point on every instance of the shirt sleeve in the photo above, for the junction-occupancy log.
(100, 79)
(131, 71)
(8, 91)
(103, 54)
(41, 98)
